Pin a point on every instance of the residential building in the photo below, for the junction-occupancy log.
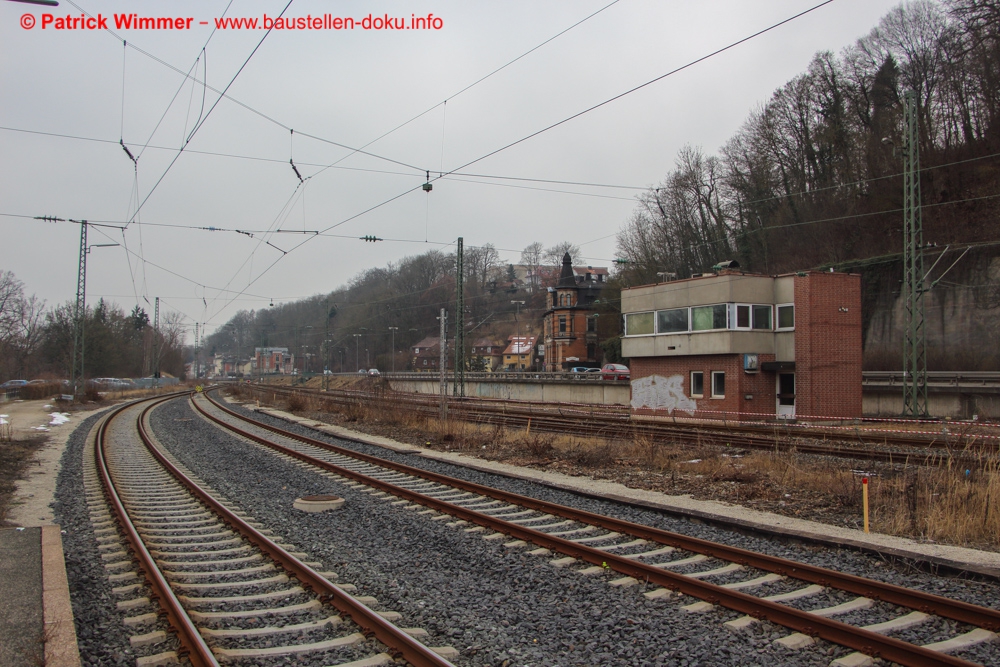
(519, 353)
(487, 355)
(746, 346)
(273, 360)
(426, 355)
(570, 323)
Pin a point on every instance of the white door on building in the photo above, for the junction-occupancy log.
(786, 395)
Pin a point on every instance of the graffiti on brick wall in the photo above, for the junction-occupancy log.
(659, 393)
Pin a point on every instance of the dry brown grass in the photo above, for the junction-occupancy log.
(944, 504)
(941, 504)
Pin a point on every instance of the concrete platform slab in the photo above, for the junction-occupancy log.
(21, 621)
(36, 618)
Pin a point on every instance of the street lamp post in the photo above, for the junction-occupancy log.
(357, 346)
(393, 330)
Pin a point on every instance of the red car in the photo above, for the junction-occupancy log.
(615, 372)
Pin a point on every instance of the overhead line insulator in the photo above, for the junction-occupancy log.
(128, 152)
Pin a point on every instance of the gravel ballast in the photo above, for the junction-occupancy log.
(499, 605)
(102, 636)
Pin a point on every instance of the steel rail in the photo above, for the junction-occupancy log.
(398, 642)
(856, 638)
(751, 437)
(192, 645)
(612, 415)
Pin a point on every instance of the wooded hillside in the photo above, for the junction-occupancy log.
(813, 178)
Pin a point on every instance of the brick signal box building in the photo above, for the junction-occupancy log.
(745, 346)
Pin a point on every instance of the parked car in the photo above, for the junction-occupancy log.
(13, 384)
(362, 371)
(579, 369)
(373, 373)
(593, 370)
(615, 372)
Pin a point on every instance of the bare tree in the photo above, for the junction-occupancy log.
(11, 293)
(21, 327)
(531, 259)
(481, 264)
(553, 255)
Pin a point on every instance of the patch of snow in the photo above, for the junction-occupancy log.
(59, 418)
(41, 428)
(693, 461)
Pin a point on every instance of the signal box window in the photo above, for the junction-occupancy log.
(706, 318)
(718, 384)
(638, 324)
(786, 317)
(672, 321)
(697, 384)
(742, 316)
(762, 317)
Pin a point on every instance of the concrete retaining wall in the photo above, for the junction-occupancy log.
(549, 391)
(954, 402)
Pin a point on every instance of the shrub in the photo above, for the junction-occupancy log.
(33, 392)
(296, 403)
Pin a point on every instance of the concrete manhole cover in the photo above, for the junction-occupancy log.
(318, 503)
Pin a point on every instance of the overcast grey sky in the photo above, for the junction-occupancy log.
(350, 87)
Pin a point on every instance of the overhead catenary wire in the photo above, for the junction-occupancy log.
(450, 175)
(324, 233)
(202, 120)
(683, 67)
(121, 132)
(223, 94)
(469, 87)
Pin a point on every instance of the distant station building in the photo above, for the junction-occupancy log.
(745, 346)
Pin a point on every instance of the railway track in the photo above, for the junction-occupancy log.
(229, 590)
(802, 598)
(862, 443)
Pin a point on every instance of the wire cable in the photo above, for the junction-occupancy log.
(644, 85)
(468, 87)
(211, 109)
(442, 174)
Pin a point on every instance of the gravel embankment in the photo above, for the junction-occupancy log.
(499, 606)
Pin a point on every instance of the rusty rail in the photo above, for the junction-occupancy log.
(398, 642)
(930, 452)
(192, 646)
